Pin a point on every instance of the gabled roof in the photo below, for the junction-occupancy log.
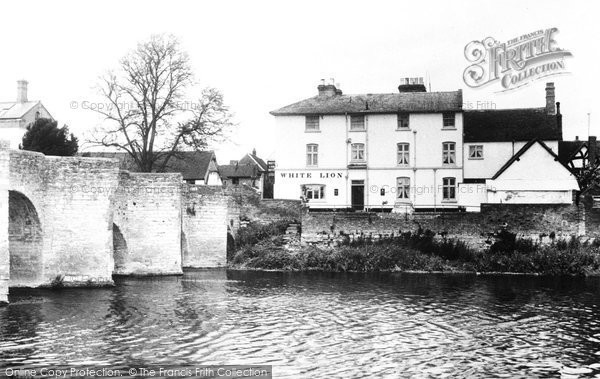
(15, 110)
(238, 171)
(567, 150)
(522, 151)
(193, 165)
(507, 125)
(252, 159)
(376, 103)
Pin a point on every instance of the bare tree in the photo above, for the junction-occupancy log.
(144, 103)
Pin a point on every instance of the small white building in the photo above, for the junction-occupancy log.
(534, 175)
(16, 115)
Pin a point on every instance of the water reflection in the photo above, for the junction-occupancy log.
(315, 324)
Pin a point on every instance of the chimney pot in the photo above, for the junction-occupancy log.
(22, 91)
(550, 97)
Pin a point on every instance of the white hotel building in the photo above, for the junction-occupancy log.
(406, 152)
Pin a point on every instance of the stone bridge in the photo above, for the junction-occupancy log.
(73, 221)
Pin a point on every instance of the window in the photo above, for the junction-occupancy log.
(335, 192)
(449, 188)
(312, 154)
(382, 192)
(476, 152)
(448, 153)
(235, 181)
(358, 151)
(403, 188)
(449, 119)
(357, 122)
(312, 123)
(313, 191)
(403, 121)
(403, 154)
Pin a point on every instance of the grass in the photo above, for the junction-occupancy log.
(263, 249)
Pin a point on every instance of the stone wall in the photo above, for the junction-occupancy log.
(204, 236)
(59, 212)
(536, 221)
(244, 204)
(4, 255)
(146, 224)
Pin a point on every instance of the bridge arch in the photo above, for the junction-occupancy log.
(25, 241)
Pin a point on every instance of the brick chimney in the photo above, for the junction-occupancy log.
(328, 90)
(412, 85)
(592, 154)
(21, 91)
(550, 98)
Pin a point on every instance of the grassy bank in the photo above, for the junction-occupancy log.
(423, 252)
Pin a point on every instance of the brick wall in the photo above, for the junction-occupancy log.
(147, 222)
(537, 221)
(204, 236)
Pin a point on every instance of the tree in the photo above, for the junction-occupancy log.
(46, 137)
(144, 106)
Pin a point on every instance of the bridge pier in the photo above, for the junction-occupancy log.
(4, 255)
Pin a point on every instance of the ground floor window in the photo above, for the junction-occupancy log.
(449, 188)
(313, 191)
(403, 188)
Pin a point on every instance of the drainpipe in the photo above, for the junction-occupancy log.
(367, 161)
(347, 170)
(434, 190)
(415, 168)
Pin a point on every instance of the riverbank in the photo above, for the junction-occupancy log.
(417, 252)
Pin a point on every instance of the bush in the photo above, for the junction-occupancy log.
(255, 232)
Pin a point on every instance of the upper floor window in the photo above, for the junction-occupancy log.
(358, 151)
(449, 119)
(312, 154)
(448, 153)
(449, 188)
(313, 191)
(357, 122)
(476, 152)
(312, 123)
(403, 121)
(403, 154)
(403, 187)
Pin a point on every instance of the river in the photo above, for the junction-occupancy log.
(316, 325)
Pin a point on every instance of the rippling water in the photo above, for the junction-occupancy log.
(315, 325)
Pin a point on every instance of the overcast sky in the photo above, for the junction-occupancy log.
(267, 54)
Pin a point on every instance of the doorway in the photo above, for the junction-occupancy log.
(358, 195)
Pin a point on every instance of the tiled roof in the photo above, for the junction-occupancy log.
(238, 171)
(15, 110)
(193, 165)
(252, 159)
(506, 125)
(376, 103)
